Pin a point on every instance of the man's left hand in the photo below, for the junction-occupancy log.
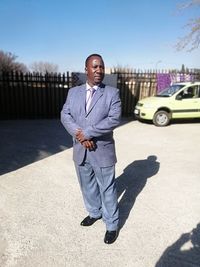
(80, 136)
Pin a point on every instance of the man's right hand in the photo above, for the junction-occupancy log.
(89, 144)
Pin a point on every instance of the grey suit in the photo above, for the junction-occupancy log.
(98, 124)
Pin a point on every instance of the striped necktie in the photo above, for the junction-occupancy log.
(89, 99)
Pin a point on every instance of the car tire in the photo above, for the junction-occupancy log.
(161, 118)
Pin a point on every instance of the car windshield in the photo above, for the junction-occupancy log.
(169, 91)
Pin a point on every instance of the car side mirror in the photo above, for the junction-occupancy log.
(179, 97)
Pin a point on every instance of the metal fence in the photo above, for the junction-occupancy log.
(32, 95)
(37, 96)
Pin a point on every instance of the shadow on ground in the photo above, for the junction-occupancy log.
(26, 141)
(185, 252)
(131, 183)
(23, 142)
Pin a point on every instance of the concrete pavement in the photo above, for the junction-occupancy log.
(158, 181)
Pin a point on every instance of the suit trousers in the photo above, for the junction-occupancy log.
(99, 192)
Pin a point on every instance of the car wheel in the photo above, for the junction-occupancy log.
(161, 118)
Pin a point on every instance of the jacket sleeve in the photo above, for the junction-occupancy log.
(67, 118)
(107, 124)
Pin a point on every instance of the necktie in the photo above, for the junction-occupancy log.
(89, 99)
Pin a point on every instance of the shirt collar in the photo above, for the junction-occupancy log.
(88, 86)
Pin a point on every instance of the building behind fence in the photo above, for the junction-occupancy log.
(37, 96)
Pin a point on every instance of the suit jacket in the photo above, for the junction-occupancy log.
(103, 116)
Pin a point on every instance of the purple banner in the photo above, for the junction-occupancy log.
(166, 79)
(163, 81)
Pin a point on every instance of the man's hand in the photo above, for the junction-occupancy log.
(89, 144)
(80, 136)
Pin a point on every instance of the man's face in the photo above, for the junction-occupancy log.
(95, 70)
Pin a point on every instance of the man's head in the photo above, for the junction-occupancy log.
(94, 69)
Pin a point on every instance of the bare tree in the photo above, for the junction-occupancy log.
(8, 63)
(192, 39)
(44, 67)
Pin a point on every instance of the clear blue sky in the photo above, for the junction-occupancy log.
(137, 34)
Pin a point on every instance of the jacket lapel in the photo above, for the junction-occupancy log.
(82, 97)
(98, 94)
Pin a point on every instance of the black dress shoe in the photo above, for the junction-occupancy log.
(110, 237)
(89, 221)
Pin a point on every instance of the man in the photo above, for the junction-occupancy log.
(90, 114)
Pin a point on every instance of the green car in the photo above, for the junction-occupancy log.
(179, 101)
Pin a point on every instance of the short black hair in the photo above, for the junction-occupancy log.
(92, 55)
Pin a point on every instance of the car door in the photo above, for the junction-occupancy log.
(187, 103)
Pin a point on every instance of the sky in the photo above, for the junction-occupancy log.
(127, 33)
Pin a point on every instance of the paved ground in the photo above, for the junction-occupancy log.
(158, 181)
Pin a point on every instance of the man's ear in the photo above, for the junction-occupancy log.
(86, 70)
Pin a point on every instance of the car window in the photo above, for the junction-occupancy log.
(169, 91)
(190, 92)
